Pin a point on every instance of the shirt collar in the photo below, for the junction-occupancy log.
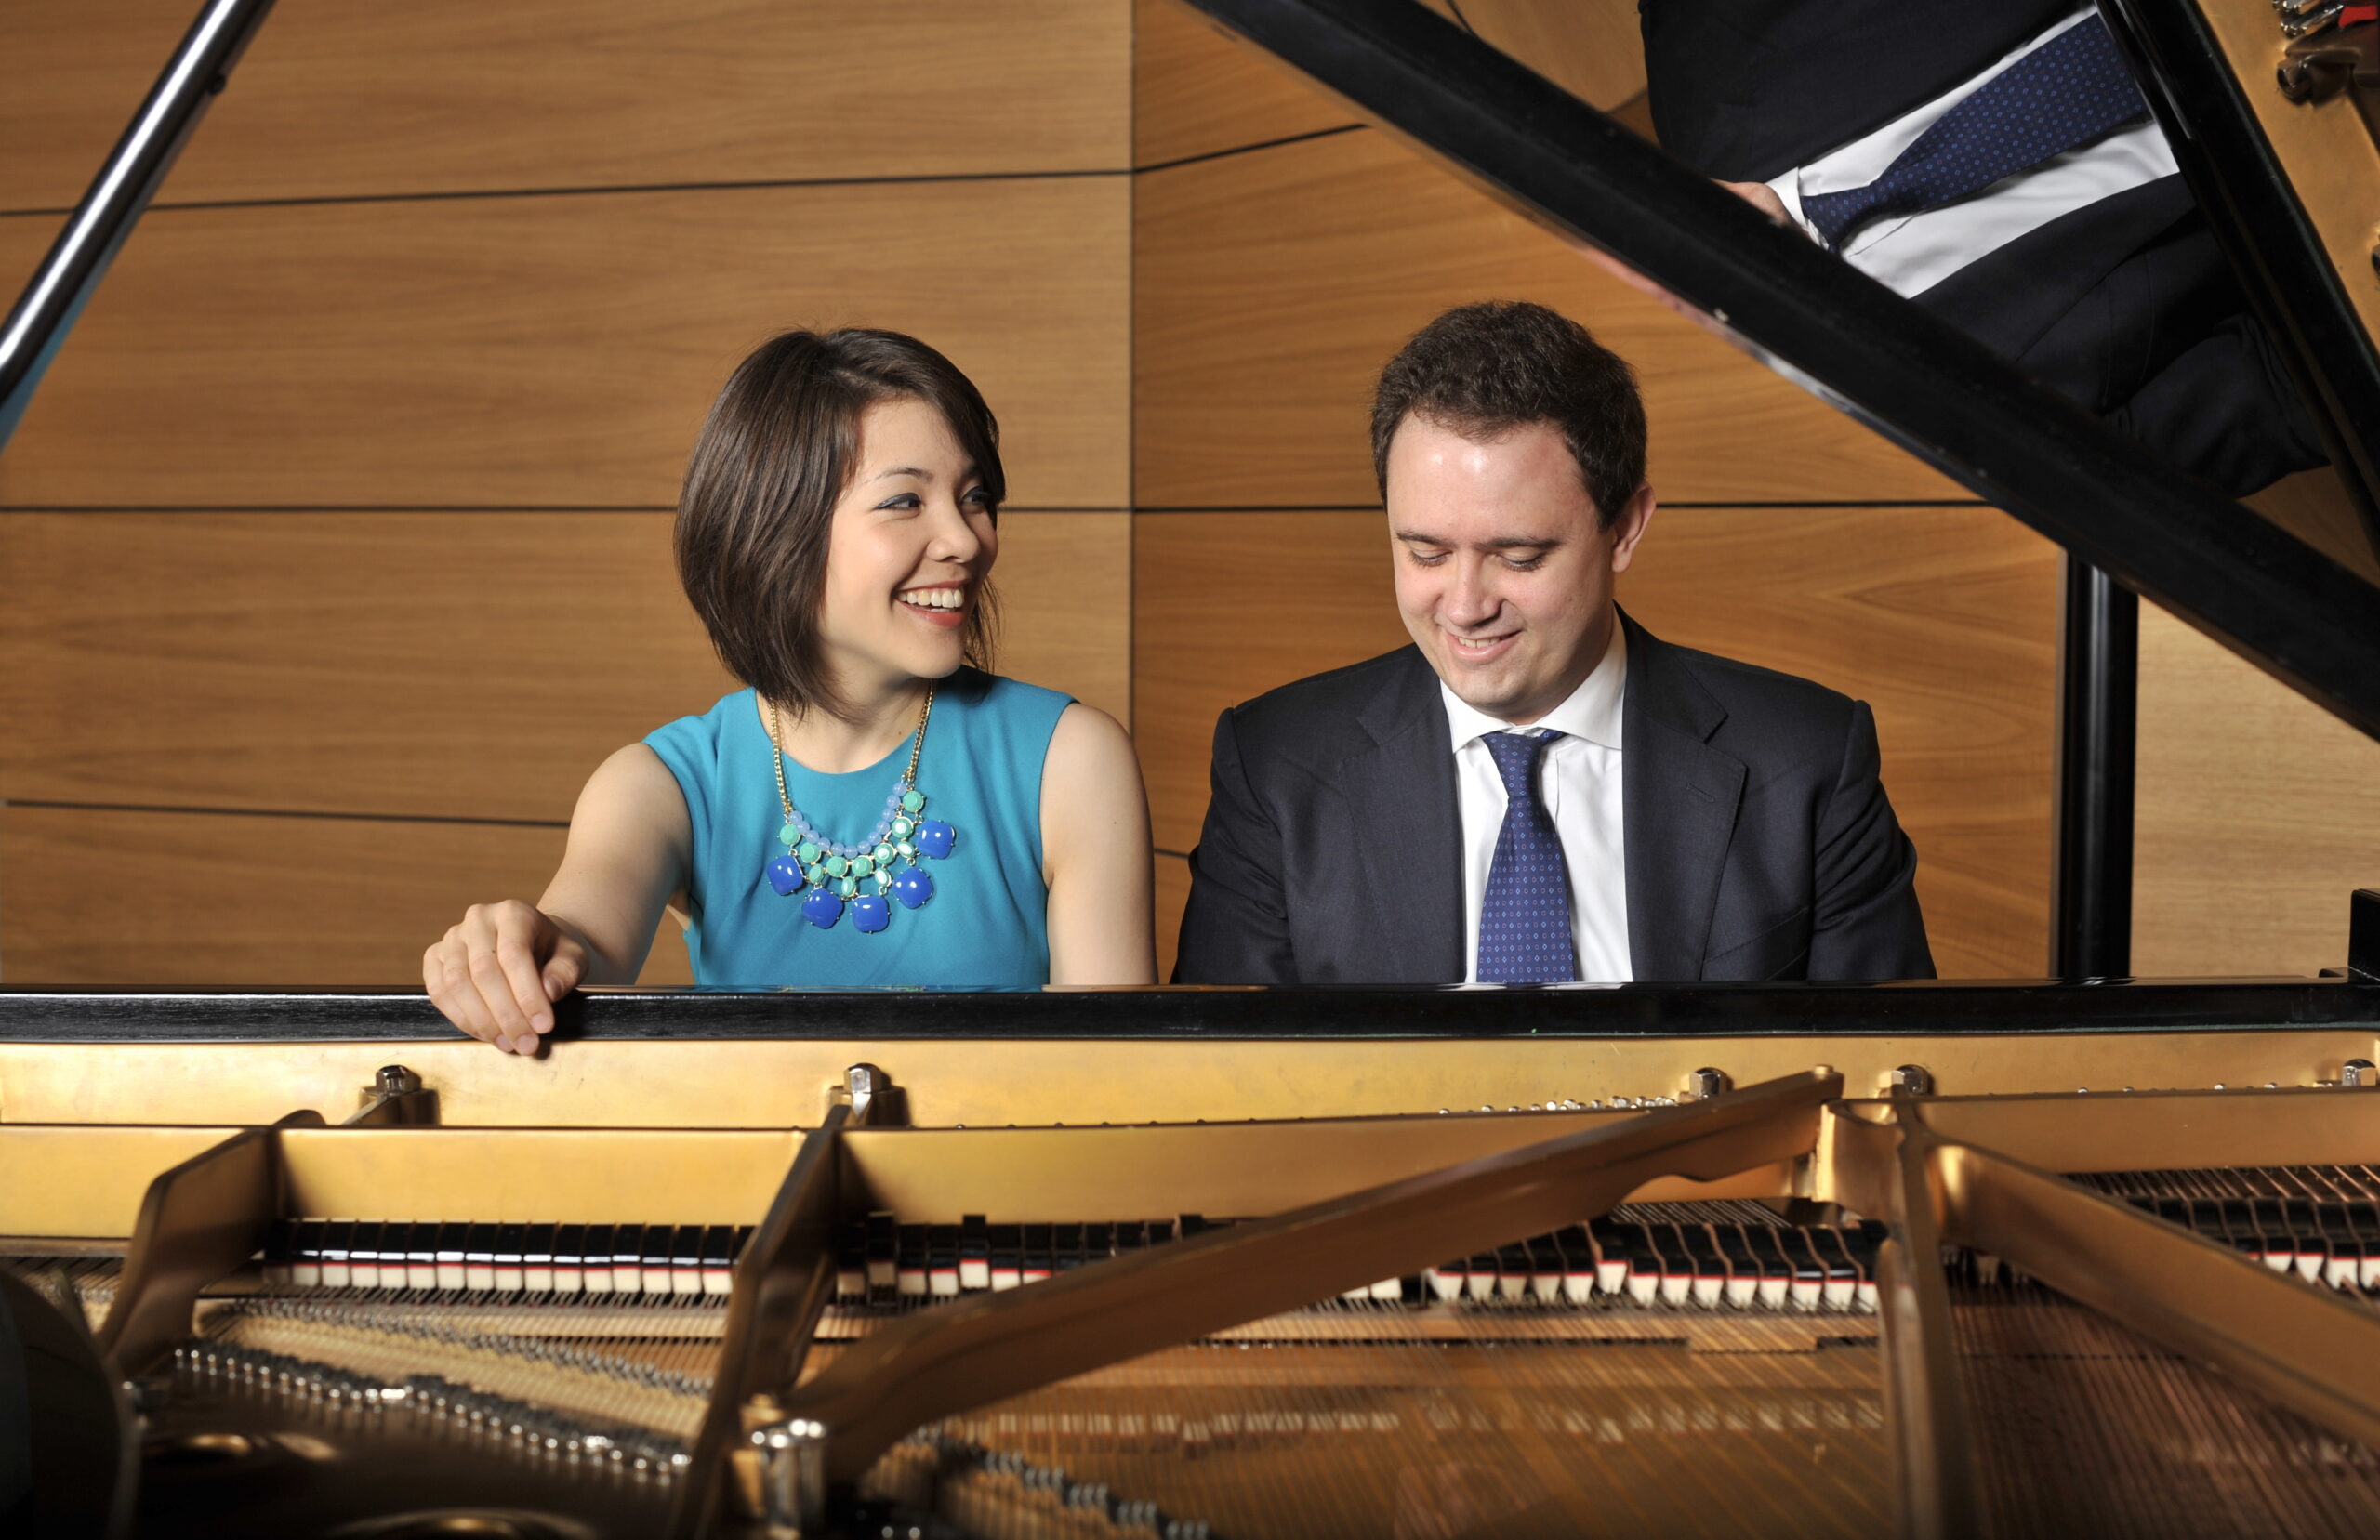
(1592, 711)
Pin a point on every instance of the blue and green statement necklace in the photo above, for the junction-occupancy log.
(868, 874)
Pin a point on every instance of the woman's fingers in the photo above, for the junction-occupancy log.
(446, 971)
(564, 969)
(480, 932)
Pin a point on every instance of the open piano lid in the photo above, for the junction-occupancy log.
(2273, 114)
(2270, 596)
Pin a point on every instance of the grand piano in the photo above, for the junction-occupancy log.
(2088, 1254)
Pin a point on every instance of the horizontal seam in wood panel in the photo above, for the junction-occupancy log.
(45, 805)
(1245, 148)
(1729, 503)
(467, 195)
(427, 508)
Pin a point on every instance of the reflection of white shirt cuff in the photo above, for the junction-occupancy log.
(1788, 189)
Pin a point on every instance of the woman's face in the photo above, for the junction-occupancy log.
(911, 542)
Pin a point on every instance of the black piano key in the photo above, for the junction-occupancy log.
(1743, 1268)
(910, 1277)
(1130, 1235)
(1676, 1263)
(1066, 1247)
(511, 1258)
(422, 1256)
(338, 1247)
(656, 1260)
(1776, 1290)
(1007, 1255)
(306, 1253)
(1039, 1252)
(595, 1258)
(1190, 1225)
(1711, 1272)
(1159, 1231)
(363, 1253)
(1808, 1291)
(851, 1259)
(449, 1264)
(1643, 1281)
(627, 1271)
(1098, 1242)
(974, 1253)
(686, 1261)
(883, 1254)
(942, 1261)
(1842, 1273)
(718, 1260)
(568, 1246)
(280, 1251)
(479, 1256)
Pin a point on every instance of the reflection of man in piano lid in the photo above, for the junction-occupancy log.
(1539, 790)
(1995, 163)
(874, 808)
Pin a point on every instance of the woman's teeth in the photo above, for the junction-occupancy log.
(935, 599)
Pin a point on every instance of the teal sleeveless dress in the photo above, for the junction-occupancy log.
(986, 925)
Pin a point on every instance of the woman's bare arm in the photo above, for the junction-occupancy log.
(497, 972)
(1095, 854)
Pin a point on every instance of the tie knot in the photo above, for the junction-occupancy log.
(1516, 755)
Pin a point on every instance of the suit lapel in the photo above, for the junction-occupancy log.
(1408, 827)
(1679, 798)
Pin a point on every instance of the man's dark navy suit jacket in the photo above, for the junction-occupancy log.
(1760, 844)
(2126, 305)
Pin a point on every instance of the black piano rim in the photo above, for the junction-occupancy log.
(1921, 1008)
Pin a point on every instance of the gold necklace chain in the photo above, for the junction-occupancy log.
(909, 776)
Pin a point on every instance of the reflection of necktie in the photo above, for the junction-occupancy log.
(1525, 913)
(2065, 94)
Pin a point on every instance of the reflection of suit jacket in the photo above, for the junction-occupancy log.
(2126, 306)
(1760, 844)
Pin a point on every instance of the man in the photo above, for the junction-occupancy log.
(1538, 789)
(1994, 162)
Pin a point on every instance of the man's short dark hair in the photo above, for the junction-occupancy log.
(775, 454)
(1483, 370)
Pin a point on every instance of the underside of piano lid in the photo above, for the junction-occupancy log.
(2306, 610)
(2270, 107)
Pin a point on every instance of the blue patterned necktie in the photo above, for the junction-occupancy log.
(1525, 915)
(2067, 92)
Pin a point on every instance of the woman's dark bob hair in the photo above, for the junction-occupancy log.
(775, 454)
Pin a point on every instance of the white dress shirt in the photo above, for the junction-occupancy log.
(1580, 780)
(1911, 253)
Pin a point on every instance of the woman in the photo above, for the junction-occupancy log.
(873, 808)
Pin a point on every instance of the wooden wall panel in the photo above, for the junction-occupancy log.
(1224, 607)
(336, 99)
(434, 665)
(2258, 814)
(1270, 287)
(1173, 897)
(1197, 90)
(1945, 621)
(1065, 587)
(1591, 48)
(1942, 618)
(115, 898)
(559, 351)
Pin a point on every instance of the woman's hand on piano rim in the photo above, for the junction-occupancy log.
(498, 973)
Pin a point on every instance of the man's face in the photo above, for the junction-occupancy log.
(1503, 570)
